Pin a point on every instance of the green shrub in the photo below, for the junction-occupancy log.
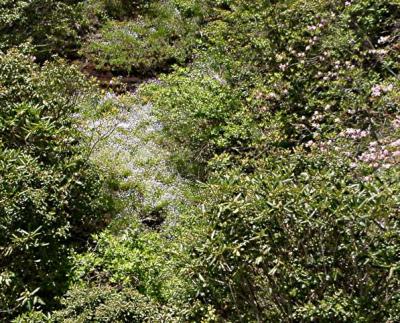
(50, 195)
(107, 304)
(149, 43)
(149, 264)
(51, 26)
(205, 115)
(302, 238)
(122, 8)
(101, 304)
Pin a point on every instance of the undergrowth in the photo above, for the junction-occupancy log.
(257, 180)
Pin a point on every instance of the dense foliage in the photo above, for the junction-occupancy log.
(294, 107)
(49, 193)
(51, 26)
(161, 36)
(281, 117)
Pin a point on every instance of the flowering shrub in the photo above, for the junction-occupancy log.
(300, 129)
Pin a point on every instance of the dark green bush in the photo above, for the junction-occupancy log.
(149, 43)
(122, 8)
(51, 26)
(302, 239)
(50, 195)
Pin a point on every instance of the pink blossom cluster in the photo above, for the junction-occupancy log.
(316, 119)
(374, 154)
(384, 155)
(377, 90)
(321, 146)
(354, 133)
(377, 155)
(271, 96)
(317, 116)
(320, 25)
(395, 143)
(312, 41)
(327, 76)
(283, 67)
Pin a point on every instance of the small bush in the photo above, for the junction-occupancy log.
(152, 42)
(107, 304)
(51, 26)
(205, 116)
(122, 8)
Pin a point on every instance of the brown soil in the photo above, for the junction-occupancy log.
(106, 79)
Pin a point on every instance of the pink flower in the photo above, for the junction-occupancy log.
(395, 143)
(396, 153)
(271, 96)
(376, 91)
(354, 133)
(283, 67)
(309, 143)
